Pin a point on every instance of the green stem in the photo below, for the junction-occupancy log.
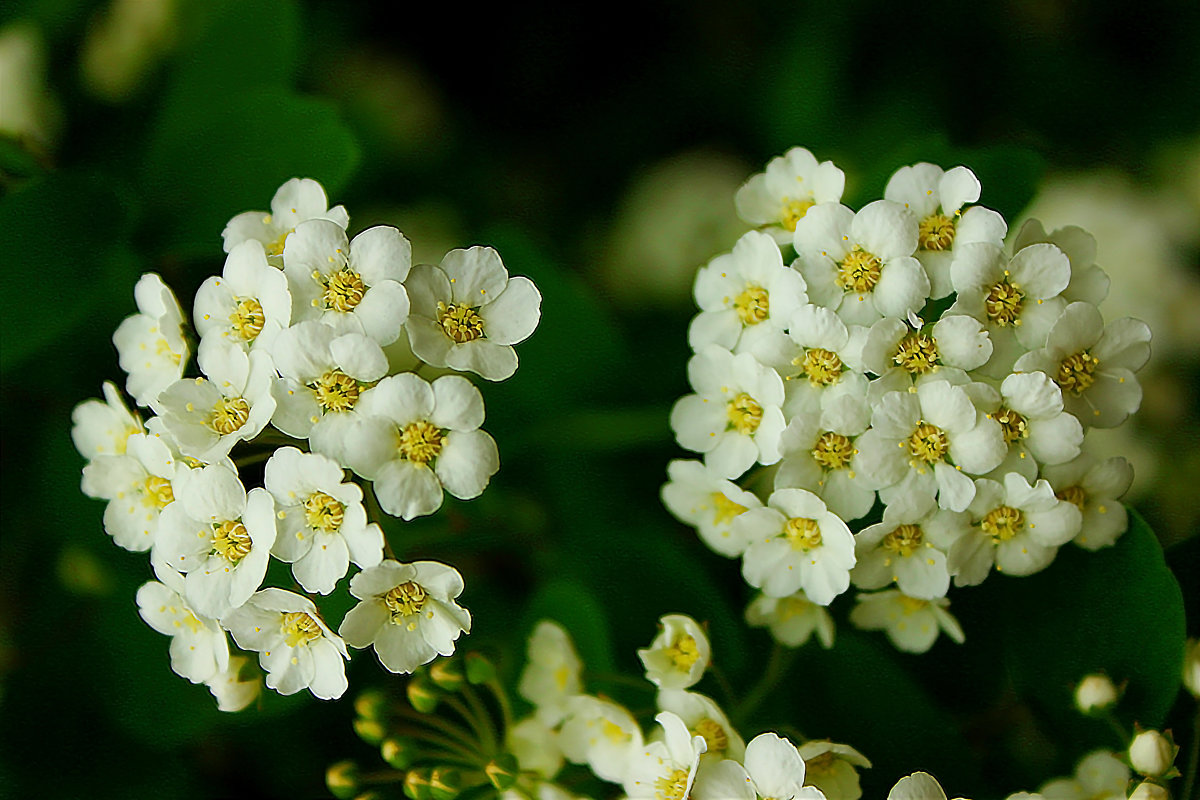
(1123, 736)
(455, 733)
(1189, 779)
(778, 663)
(502, 700)
(453, 747)
(722, 683)
(482, 714)
(481, 728)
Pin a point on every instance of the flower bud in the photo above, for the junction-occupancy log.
(1191, 668)
(1095, 693)
(447, 673)
(1152, 754)
(503, 771)
(342, 779)
(399, 752)
(369, 730)
(1148, 790)
(445, 783)
(416, 784)
(371, 704)
(479, 669)
(423, 694)
(371, 795)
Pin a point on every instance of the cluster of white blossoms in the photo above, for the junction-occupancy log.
(304, 362)
(896, 398)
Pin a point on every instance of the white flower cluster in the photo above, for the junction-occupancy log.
(293, 373)
(904, 369)
(694, 751)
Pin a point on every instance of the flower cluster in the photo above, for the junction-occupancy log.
(310, 344)
(906, 370)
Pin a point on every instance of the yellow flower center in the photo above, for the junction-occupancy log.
(724, 509)
(405, 600)
(820, 765)
(916, 354)
(911, 605)
(791, 607)
(753, 305)
(859, 271)
(323, 512)
(1076, 373)
(461, 323)
(1003, 303)
(420, 442)
(228, 415)
(1003, 523)
(336, 391)
(1073, 494)
(231, 541)
(299, 628)
(904, 540)
(833, 451)
(344, 290)
(1012, 424)
(928, 443)
(714, 735)
(157, 492)
(684, 652)
(745, 414)
(803, 533)
(793, 211)
(613, 732)
(821, 366)
(935, 232)
(275, 248)
(248, 319)
(672, 786)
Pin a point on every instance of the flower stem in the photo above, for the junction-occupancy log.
(777, 665)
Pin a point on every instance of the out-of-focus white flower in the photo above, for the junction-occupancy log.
(1100, 775)
(918, 786)
(552, 671)
(678, 656)
(792, 620)
(28, 109)
(1191, 667)
(710, 503)
(602, 735)
(248, 304)
(296, 201)
(1095, 693)
(665, 770)
(137, 485)
(1095, 487)
(408, 612)
(150, 344)
(125, 43)
(199, 647)
(912, 624)
(103, 427)
(467, 313)
(294, 645)
(1149, 790)
(704, 718)
(237, 686)
(534, 743)
(777, 199)
(833, 768)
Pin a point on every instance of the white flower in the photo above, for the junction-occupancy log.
(137, 486)
(822, 363)
(1152, 754)
(295, 647)
(1094, 693)
(936, 198)
(237, 686)
(206, 418)
(1015, 526)
(602, 735)
(911, 623)
(407, 612)
(322, 524)
(1089, 283)
(918, 786)
(103, 427)
(534, 743)
(704, 718)
(199, 647)
(776, 769)
(219, 536)
(468, 313)
(861, 265)
(324, 375)
(831, 767)
(792, 620)
(1100, 775)
(778, 198)
(353, 286)
(956, 342)
(552, 672)
(416, 438)
(1093, 364)
(901, 548)
(678, 656)
(1095, 488)
(796, 543)
(665, 770)
(735, 417)
(708, 502)
(150, 344)
(248, 304)
(298, 200)
(746, 299)
(1037, 431)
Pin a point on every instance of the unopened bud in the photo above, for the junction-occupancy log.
(371, 704)
(369, 730)
(445, 783)
(479, 669)
(371, 795)
(1149, 790)
(1191, 667)
(399, 752)
(1152, 754)
(342, 780)
(503, 771)
(416, 784)
(1095, 693)
(447, 673)
(423, 694)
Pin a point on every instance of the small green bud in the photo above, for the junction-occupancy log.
(371, 704)
(369, 730)
(503, 771)
(416, 784)
(342, 779)
(445, 783)
(399, 752)
(371, 795)
(479, 669)
(447, 673)
(423, 694)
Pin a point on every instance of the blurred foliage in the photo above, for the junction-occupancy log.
(531, 125)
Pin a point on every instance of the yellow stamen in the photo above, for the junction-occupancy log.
(684, 652)
(1003, 523)
(935, 232)
(420, 442)
(1012, 424)
(299, 628)
(1003, 303)
(916, 354)
(248, 319)
(724, 509)
(228, 415)
(833, 450)
(336, 391)
(904, 540)
(803, 533)
(713, 733)
(928, 443)
(672, 786)
(1076, 373)
(344, 290)
(405, 600)
(1073, 494)
(745, 414)
(323, 512)
(232, 541)
(753, 305)
(157, 492)
(793, 211)
(461, 323)
(859, 271)
(821, 366)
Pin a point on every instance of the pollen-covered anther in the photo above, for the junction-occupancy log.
(724, 509)
(229, 414)
(859, 271)
(420, 442)
(904, 540)
(336, 391)
(1074, 495)
(802, 533)
(1003, 523)
(928, 443)
(684, 652)
(1003, 303)
(299, 628)
(935, 232)
(916, 354)
(344, 290)
(833, 450)
(745, 414)
(1076, 373)
(231, 540)
(713, 733)
(821, 366)
(323, 512)
(248, 319)
(793, 211)
(461, 323)
(672, 786)
(1012, 425)
(405, 600)
(157, 492)
(753, 305)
